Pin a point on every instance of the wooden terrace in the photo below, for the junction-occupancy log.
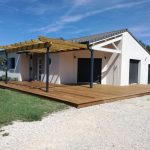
(79, 95)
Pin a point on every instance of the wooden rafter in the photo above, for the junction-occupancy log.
(39, 46)
(61, 42)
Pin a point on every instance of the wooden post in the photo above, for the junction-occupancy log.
(91, 64)
(6, 69)
(92, 68)
(47, 69)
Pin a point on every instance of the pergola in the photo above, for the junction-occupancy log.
(47, 46)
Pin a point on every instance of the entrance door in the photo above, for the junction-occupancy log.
(134, 71)
(148, 74)
(84, 70)
(39, 68)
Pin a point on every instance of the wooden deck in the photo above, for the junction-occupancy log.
(80, 95)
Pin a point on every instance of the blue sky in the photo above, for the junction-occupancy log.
(27, 19)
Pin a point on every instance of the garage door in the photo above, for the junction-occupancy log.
(133, 72)
(84, 70)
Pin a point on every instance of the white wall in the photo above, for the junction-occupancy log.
(64, 67)
(24, 67)
(97, 54)
(21, 67)
(2, 55)
(14, 73)
(132, 50)
(68, 68)
(69, 65)
(54, 73)
(113, 67)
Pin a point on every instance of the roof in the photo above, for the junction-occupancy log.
(101, 36)
(98, 37)
(39, 46)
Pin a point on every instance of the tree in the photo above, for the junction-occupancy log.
(2, 63)
(148, 47)
(142, 43)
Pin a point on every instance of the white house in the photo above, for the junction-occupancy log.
(119, 59)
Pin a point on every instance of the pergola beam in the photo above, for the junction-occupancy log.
(42, 42)
(109, 42)
(62, 42)
(109, 50)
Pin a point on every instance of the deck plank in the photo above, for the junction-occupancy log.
(80, 95)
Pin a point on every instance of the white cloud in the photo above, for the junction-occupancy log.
(49, 28)
(34, 7)
(81, 2)
(58, 25)
(66, 19)
(38, 9)
(69, 19)
(141, 30)
(117, 6)
(145, 35)
(77, 31)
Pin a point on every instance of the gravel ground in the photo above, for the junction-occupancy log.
(121, 125)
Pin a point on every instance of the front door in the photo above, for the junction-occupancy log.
(84, 70)
(134, 71)
(39, 68)
(148, 74)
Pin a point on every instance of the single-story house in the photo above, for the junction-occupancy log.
(118, 59)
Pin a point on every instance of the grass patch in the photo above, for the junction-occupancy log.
(25, 107)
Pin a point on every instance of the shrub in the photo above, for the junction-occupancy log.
(3, 78)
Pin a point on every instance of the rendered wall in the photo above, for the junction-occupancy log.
(64, 67)
(69, 66)
(14, 73)
(113, 67)
(24, 67)
(21, 67)
(54, 73)
(132, 50)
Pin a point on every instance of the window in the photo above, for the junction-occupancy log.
(11, 63)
